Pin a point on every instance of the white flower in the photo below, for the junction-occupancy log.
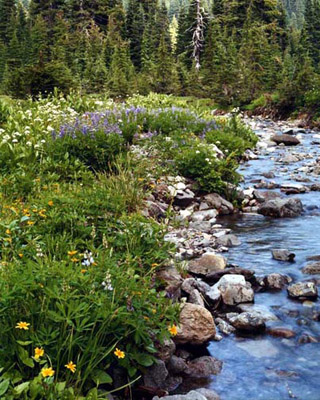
(50, 129)
(15, 141)
(29, 144)
(207, 159)
(43, 141)
(197, 152)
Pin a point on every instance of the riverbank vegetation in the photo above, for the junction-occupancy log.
(79, 295)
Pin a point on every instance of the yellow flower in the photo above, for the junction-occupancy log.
(154, 311)
(173, 330)
(47, 372)
(20, 255)
(154, 265)
(42, 213)
(30, 222)
(74, 259)
(50, 203)
(8, 232)
(83, 271)
(38, 352)
(71, 366)
(118, 353)
(140, 179)
(23, 325)
(72, 253)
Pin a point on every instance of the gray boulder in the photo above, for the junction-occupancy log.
(203, 367)
(303, 290)
(248, 322)
(235, 290)
(312, 268)
(287, 140)
(155, 376)
(281, 208)
(223, 206)
(206, 264)
(283, 255)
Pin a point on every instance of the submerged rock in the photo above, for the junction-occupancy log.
(281, 208)
(196, 325)
(281, 332)
(259, 348)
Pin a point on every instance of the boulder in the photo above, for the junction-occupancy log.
(177, 365)
(206, 264)
(196, 325)
(172, 280)
(224, 326)
(287, 140)
(184, 198)
(276, 281)
(193, 395)
(165, 350)
(283, 255)
(312, 268)
(155, 376)
(214, 277)
(292, 188)
(281, 332)
(281, 208)
(223, 206)
(228, 241)
(208, 394)
(248, 322)
(205, 215)
(203, 367)
(303, 290)
(235, 290)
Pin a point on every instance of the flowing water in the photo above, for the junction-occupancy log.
(264, 367)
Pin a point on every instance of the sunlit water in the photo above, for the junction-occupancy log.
(264, 367)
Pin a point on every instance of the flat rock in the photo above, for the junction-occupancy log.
(287, 140)
(281, 208)
(312, 268)
(303, 290)
(207, 264)
(281, 332)
(248, 322)
(196, 325)
(283, 255)
(228, 241)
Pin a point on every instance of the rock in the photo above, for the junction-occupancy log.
(313, 258)
(315, 187)
(177, 365)
(281, 332)
(155, 376)
(302, 290)
(312, 268)
(228, 241)
(268, 175)
(287, 140)
(281, 208)
(193, 395)
(204, 215)
(276, 281)
(307, 338)
(223, 206)
(155, 210)
(259, 348)
(203, 367)
(224, 326)
(288, 159)
(260, 310)
(202, 226)
(208, 394)
(196, 325)
(172, 280)
(214, 277)
(206, 264)
(291, 188)
(184, 198)
(166, 350)
(263, 196)
(248, 322)
(235, 290)
(283, 255)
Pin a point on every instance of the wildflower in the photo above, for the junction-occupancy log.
(8, 232)
(71, 366)
(20, 255)
(154, 311)
(23, 325)
(50, 203)
(42, 213)
(74, 259)
(154, 265)
(173, 330)
(88, 259)
(118, 353)
(83, 271)
(30, 223)
(47, 372)
(38, 352)
(72, 253)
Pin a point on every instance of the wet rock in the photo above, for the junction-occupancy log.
(228, 241)
(172, 280)
(260, 310)
(208, 394)
(314, 258)
(261, 184)
(155, 376)
(283, 255)
(177, 365)
(224, 326)
(203, 367)
(268, 175)
(287, 140)
(282, 208)
(263, 196)
(235, 290)
(288, 159)
(262, 348)
(281, 332)
(223, 206)
(184, 198)
(276, 281)
(302, 290)
(166, 350)
(207, 264)
(312, 268)
(193, 395)
(307, 338)
(196, 325)
(315, 187)
(291, 188)
(248, 322)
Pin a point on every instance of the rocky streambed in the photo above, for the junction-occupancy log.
(250, 326)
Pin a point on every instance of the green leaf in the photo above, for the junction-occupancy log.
(4, 386)
(92, 395)
(101, 377)
(60, 386)
(24, 343)
(25, 218)
(144, 359)
(21, 388)
(28, 362)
